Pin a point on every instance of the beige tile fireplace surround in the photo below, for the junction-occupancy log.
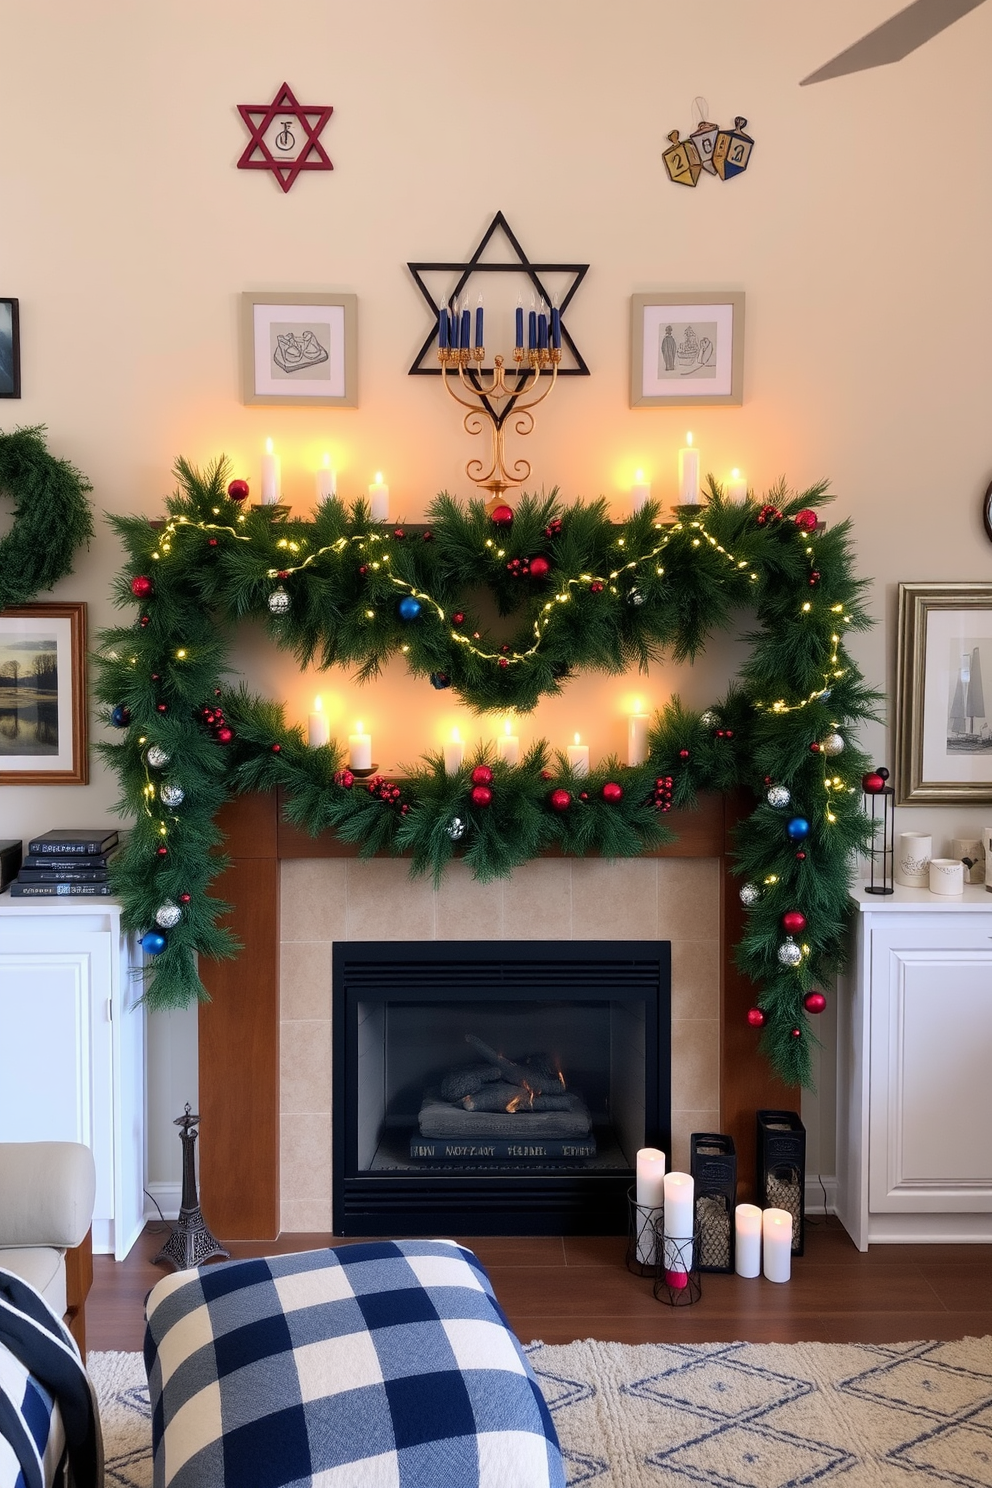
(329, 899)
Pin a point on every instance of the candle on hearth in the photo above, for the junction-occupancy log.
(360, 749)
(736, 488)
(578, 757)
(318, 725)
(640, 491)
(747, 1240)
(649, 1196)
(379, 499)
(776, 1244)
(637, 735)
(677, 1258)
(688, 474)
(270, 476)
(327, 481)
(454, 753)
(508, 745)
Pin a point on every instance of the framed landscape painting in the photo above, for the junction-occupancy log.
(10, 350)
(43, 736)
(300, 349)
(686, 349)
(944, 693)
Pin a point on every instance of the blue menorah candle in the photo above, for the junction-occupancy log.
(532, 330)
(443, 330)
(520, 328)
(478, 327)
(466, 331)
(542, 332)
(454, 328)
(556, 328)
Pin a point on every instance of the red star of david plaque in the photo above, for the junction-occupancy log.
(285, 137)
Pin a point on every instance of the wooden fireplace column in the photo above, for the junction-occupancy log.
(239, 1027)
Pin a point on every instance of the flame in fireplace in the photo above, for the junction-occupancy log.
(513, 1105)
(517, 1101)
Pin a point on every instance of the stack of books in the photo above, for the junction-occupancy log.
(67, 864)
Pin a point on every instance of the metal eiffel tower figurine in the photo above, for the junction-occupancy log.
(190, 1243)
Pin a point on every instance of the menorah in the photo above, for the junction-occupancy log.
(458, 355)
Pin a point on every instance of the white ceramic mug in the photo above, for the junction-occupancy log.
(946, 876)
(913, 860)
(972, 854)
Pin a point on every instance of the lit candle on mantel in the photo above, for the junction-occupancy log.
(271, 476)
(640, 491)
(637, 735)
(776, 1242)
(650, 1196)
(736, 488)
(747, 1240)
(379, 499)
(678, 1226)
(318, 725)
(327, 481)
(578, 757)
(508, 745)
(689, 474)
(454, 753)
(360, 749)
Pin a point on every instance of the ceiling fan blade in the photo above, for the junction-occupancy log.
(895, 38)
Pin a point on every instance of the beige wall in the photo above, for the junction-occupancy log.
(860, 235)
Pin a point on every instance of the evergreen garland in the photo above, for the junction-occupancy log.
(342, 590)
(51, 516)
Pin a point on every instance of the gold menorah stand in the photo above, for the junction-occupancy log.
(467, 388)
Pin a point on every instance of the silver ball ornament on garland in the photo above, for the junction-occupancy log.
(779, 795)
(455, 829)
(635, 597)
(168, 916)
(279, 602)
(172, 795)
(749, 894)
(832, 744)
(156, 756)
(789, 954)
(709, 719)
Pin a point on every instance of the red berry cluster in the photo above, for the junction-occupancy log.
(661, 796)
(724, 733)
(534, 568)
(212, 714)
(553, 528)
(768, 514)
(596, 587)
(344, 778)
(387, 791)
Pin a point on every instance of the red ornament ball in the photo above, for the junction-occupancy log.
(161, 707)
(225, 735)
(184, 898)
(612, 791)
(805, 520)
(344, 778)
(814, 748)
(501, 515)
(559, 800)
(399, 534)
(458, 618)
(277, 749)
(801, 856)
(872, 783)
(683, 754)
(583, 795)
(481, 795)
(796, 1033)
(793, 922)
(539, 567)
(141, 586)
(238, 490)
(482, 775)
(814, 1002)
(161, 850)
(756, 1017)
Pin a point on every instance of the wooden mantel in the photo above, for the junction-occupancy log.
(239, 1027)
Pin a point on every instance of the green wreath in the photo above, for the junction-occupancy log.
(342, 590)
(51, 516)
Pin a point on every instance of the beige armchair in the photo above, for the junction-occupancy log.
(47, 1192)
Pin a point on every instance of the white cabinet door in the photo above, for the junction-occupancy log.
(931, 1065)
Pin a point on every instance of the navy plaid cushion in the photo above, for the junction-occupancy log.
(384, 1365)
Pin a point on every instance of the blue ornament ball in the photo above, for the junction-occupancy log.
(121, 716)
(440, 680)
(798, 828)
(409, 607)
(153, 943)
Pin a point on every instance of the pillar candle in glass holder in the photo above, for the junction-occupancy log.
(776, 1244)
(578, 757)
(736, 488)
(271, 476)
(360, 749)
(677, 1260)
(454, 753)
(637, 735)
(379, 499)
(688, 474)
(649, 1196)
(747, 1240)
(327, 481)
(318, 725)
(640, 491)
(508, 745)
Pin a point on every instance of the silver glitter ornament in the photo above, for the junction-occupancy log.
(455, 828)
(172, 795)
(279, 601)
(789, 954)
(778, 795)
(832, 744)
(709, 719)
(156, 756)
(168, 916)
(636, 597)
(749, 894)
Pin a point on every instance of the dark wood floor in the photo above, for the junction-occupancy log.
(562, 1289)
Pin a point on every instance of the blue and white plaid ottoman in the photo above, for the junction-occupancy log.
(382, 1365)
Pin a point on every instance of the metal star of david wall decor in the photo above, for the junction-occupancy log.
(285, 137)
(895, 38)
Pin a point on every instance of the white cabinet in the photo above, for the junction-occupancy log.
(915, 1071)
(72, 1049)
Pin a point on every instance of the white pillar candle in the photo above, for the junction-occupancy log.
(637, 736)
(508, 746)
(578, 757)
(736, 489)
(379, 499)
(454, 753)
(318, 725)
(271, 476)
(747, 1240)
(327, 481)
(688, 474)
(640, 491)
(650, 1196)
(776, 1244)
(679, 1208)
(360, 749)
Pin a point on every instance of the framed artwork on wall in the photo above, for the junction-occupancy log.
(943, 671)
(10, 350)
(686, 349)
(43, 733)
(300, 349)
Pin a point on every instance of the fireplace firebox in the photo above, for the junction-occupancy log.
(496, 1088)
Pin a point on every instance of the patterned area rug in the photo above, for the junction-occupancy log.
(736, 1415)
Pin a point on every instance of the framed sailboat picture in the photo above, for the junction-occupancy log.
(944, 693)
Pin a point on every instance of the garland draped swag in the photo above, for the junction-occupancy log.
(342, 590)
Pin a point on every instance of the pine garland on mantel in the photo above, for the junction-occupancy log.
(578, 592)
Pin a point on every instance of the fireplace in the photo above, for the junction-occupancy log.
(496, 1087)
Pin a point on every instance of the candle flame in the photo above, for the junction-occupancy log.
(456, 737)
(506, 728)
(378, 477)
(318, 705)
(637, 705)
(327, 460)
(577, 739)
(268, 446)
(358, 727)
(688, 438)
(639, 477)
(735, 474)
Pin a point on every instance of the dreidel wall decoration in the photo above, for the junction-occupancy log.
(720, 152)
(704, 138)
(732, 150)
(682, 161)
